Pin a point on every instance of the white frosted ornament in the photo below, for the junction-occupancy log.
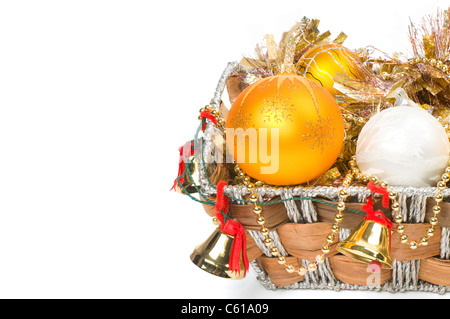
(403, 145)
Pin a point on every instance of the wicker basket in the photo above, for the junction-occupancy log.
(299, 229)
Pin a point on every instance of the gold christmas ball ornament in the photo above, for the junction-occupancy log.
(321, 63)
(285, 130)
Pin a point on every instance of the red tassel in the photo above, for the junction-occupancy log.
(232, 228)
(188, 152)
(222, 201)
(181, 168)
(207, 114)
(368, 208)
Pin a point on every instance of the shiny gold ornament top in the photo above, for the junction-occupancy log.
(285, 130)
(321, 63)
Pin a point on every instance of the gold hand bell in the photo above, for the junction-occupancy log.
(371, 240)
(214, 254)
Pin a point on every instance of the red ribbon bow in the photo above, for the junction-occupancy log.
(232, 228)
(373, 215)
(378, 216)
(207, 114)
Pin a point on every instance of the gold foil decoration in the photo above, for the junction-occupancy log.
(329, 177)
(356, 89)
(289, 43)
(323, 38)
(272, 50)
(249, 64)
(429, 46)
(446, 18)
(278, 58)
(340, 38)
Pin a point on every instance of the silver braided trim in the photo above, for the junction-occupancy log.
(307, 208)
(418, 207)
(422, 286)
(210, 130)
(291, 207)
(208, 156)
(445, 243)
(230, 68)
(344, 233)
(262, 276)
(405, 275)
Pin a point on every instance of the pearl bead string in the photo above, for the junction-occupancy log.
(398, 218)
(433, 62)
(438, 197)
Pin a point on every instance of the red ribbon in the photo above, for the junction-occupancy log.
(378, 216)
(222, 200)
(188, 152)
(380, 190)
(232, 228)
(207, 114)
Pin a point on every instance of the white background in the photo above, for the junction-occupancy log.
(95, 99)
